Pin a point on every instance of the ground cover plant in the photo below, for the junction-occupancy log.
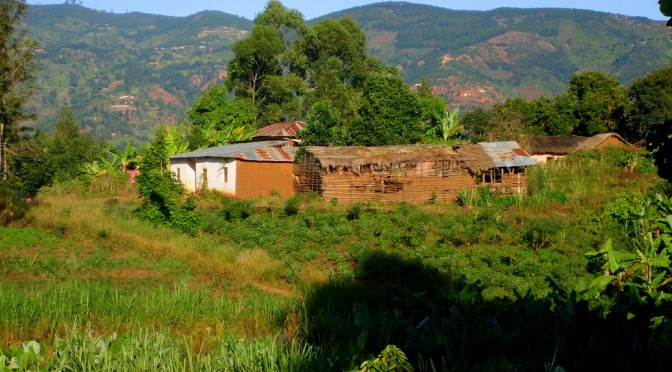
(307, 284)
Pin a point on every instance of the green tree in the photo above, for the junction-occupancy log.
(560, 118)
(68, 149)
(433, 114)
(30, 165)
(334, 62)
(16, 70)
(390, 112)
(451, 124)
(666, 9)
(509, 122)
(650, 116)
(478, 123)
(161, 193)
(323, 127)
(47, 158)
(600, 102)
(218, 119)
(155, 156)
(260, 69)
(127, 159)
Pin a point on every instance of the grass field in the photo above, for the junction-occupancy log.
(304, 284)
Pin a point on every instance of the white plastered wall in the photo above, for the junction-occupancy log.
(220, 173)
(184, 170)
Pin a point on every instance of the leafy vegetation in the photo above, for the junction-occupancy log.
(328, 286)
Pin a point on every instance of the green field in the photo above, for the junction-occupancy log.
(305, 284)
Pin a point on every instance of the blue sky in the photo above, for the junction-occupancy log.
(312, 9)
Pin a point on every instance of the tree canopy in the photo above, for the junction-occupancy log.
(666, 9)
(217, 119)
(16, 71)
(650, 116)
(389, 114)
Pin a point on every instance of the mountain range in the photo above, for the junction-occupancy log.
(125, 74)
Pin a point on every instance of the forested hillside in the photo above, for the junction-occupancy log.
(124, 74)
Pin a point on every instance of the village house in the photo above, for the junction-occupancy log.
(411, 173)
(545, 148)
(243, 170)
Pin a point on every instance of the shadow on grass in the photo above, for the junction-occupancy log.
(13, 206)
(444, 323)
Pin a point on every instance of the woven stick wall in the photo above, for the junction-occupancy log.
(413, 174)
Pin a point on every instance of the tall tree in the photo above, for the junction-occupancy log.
(600, 102)
(478, 122)
(217, 119)
(433, 115)
(650, 116)
(68, 149)
(335, 64)
(390, 112)
(260, 69)
(509, 121)
(666, 9)
(324, 127)
(16, 69)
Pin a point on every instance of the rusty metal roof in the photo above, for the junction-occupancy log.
(507, 154)
(287, 129)
(267, 151)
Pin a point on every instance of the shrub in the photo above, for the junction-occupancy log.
(542, 232)
(236, 209)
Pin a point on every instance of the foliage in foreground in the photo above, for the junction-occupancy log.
(145, 350)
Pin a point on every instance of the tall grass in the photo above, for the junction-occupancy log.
(44, 310)
(110, 223)
(585, 179)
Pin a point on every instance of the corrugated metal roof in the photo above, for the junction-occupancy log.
(507, 154)
(287, 129)
(272, 151)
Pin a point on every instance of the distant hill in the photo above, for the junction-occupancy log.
(481, 57)
(124, 74)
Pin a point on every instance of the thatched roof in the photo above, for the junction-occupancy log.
(563, 145)
(558, 145)
(354, 158)
(596, 140)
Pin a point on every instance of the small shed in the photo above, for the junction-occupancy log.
(411, 173)
(545, 148)
(244, 170)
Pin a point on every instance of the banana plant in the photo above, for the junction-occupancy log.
(176, 140)
(451, 124)
(98, 168)
(218, 137)
(645, 274)
(127, 159)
